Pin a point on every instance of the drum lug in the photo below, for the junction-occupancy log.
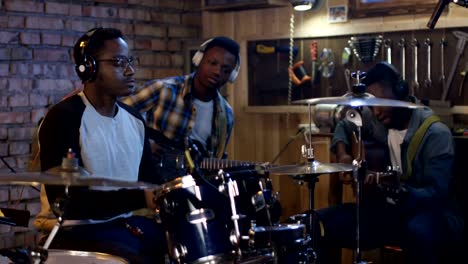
(251, 242)
(234, 239)
(179, 252)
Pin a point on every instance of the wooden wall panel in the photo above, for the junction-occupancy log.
(260, 134)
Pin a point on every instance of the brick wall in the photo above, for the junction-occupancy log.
(36, 69)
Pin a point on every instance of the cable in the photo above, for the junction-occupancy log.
(299, 132)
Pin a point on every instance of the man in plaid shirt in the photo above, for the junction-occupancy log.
(182, 109)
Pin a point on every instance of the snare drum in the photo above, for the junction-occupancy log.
(57, 256)
(196, 218)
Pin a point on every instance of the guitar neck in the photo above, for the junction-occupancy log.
(213, 163)
(381, 176)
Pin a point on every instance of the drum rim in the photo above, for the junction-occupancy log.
(88, 253)
(182, 182)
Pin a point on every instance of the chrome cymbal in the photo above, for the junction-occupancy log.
(365, 99)
(314, 167)
(57, 176)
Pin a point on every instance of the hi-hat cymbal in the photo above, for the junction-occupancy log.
(314, 167)
(365, 99)
(56, 176)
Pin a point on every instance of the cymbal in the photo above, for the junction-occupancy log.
(364, 99)
(56, 176)
(314, 167)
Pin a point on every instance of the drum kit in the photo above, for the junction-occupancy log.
(230, 215)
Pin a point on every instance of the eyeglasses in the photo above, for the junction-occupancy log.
(123, 62)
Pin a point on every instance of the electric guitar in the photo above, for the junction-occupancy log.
(380, 179)
(202, 159)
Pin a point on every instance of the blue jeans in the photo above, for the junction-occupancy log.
(424, 236)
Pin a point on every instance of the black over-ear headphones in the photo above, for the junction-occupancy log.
(198, 56)
(85, 64)
(399, 87)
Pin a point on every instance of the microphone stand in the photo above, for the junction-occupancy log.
(359, 172)
(6, 164)
(437, 12)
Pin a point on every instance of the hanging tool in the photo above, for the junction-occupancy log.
(345, 58)
(402, 45)
(327, 62)
(298, 74)
(388, 50)
(462, 38)
(264, 49)
(415, 86)
(428, 81)
(463, 74)
(443, 44)
(313, 57)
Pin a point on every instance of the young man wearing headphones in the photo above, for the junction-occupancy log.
(418, 214)
(108, 139)
(190, 108)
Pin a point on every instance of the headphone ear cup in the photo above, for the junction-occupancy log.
(234, 73)
(86, 70)
(197, 57)
(401, 90)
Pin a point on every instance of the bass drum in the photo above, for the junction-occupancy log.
(57, 256)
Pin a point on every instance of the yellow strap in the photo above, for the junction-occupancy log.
(415, 142)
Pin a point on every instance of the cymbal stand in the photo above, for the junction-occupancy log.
(359, 171)
(40, 255)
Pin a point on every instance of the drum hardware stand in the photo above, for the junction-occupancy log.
(69, 166)
(359, 172)
(232, 191)
(40, 255)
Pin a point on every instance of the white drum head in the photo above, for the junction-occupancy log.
(57, 256)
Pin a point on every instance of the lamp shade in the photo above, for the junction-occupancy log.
(302, 5)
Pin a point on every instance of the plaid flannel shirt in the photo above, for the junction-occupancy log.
(167, 107)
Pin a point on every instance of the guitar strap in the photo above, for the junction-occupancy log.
(415, 142)
(220, 127)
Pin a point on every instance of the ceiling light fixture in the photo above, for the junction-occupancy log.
(302, 5)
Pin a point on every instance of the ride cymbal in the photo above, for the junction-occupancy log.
(314, 167)
(365, 99)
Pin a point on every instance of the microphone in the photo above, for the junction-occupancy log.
(437, 12)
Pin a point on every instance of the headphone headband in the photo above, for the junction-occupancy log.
(198, 56)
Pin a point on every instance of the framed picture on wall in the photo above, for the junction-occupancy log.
(337, 14)
(369, 8)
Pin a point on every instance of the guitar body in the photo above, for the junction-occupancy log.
(377, 158)
(376, 155)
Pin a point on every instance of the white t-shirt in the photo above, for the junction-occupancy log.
(395, 138)
(111, 147)
(203, 121)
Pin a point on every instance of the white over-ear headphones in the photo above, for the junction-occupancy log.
(198, 56)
